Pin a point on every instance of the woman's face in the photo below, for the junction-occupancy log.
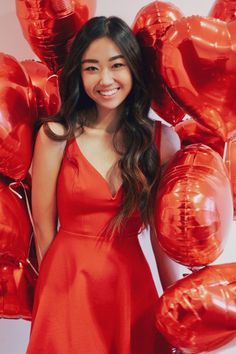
(106, 76)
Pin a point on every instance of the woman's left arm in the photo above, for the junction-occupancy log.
(170, 144)
(169, 271)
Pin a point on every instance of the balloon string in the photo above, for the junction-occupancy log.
(15, 184)
(11, 187)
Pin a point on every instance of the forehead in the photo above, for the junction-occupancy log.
(101, 48)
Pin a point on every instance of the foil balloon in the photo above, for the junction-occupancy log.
(45, 87)
(197, 313)
(17, 285)
(15, 226)
(17, 113)
(191, 132)
(194, 207)
(149, 25)
(199, 68)
(224, 10)
(230, 162)
(50, 26)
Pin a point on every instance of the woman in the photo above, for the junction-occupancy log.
(96, 168)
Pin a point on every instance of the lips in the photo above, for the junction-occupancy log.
(108, 93)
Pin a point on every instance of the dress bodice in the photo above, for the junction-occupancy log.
(86, 205)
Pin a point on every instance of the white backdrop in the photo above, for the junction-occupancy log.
(14, 333)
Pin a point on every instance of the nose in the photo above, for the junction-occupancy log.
(106, 77)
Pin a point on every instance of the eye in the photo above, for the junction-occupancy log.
(91, 68)
(117, 65)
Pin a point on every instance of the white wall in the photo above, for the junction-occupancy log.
(14, 333)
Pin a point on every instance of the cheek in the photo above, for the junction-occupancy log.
(125, 78)
(129, 79)
(87, 84)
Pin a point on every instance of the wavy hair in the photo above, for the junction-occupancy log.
(139, 164)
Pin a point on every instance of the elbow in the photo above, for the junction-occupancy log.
(43, 234)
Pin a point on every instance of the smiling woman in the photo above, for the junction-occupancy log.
(96, 166)
(107, 79)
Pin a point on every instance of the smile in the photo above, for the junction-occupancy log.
(109, 93)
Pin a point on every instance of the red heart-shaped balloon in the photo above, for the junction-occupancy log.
(17, 285)
(15, 226)
(18, 112)
(191, 132)
(199, 68)
(50, 26)
(224, 10)
(194, 207)
(149, 24)
(45, 87)
(197, 313)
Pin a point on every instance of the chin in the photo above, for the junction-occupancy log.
(110, 106)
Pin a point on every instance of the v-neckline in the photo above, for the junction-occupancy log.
(97, 172)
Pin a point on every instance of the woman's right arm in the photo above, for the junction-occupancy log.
(46, 164)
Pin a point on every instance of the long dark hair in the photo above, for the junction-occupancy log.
(139, 164)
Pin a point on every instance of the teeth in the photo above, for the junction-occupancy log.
(108, 93)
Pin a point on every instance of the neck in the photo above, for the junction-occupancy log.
(106, 120)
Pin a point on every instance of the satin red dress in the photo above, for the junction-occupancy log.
(94, 295)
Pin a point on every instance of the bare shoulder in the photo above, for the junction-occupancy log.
(170, 143)
(48, 155)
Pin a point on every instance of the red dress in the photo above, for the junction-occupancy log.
(94, 295)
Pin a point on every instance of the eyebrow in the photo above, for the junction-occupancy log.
(120, 56)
